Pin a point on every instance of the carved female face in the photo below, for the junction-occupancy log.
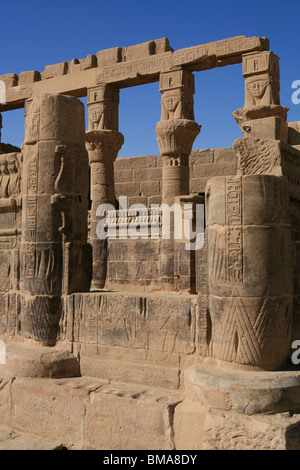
(257, 88)
(171, 99)
(3, 166)
(11, 166)
(95, 113)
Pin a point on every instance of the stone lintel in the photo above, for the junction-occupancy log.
(135, 68)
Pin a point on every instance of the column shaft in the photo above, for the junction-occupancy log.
(176, 132)
(103, 142)
(54, 217)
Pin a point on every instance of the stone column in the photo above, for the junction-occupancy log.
(176, 132)
(103, 142)
(250, 270)
(262, 115)
(54, 254)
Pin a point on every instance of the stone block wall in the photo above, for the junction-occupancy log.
(136, 263)
(140, 178)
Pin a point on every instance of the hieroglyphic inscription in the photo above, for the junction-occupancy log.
(235, 45)
(234, 239)
(31, 200)
(130, 70)
(189, 55)
(31, 215)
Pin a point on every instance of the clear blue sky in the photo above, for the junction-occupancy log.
(36, 33)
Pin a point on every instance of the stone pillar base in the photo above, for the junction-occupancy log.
(27, 360)
(238, 410)
(263, 122)
(244, 391)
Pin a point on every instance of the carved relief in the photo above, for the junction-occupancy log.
(4, 178)
(13, 166)
(261, 90)
(247, 333)
(32, 127)
(10, 175)
(160, 329)
(102, 116)
(10, 203)
(268, 157)
(261, 73)
(177, 104)
(103, 102)
(177, 90)
(250, 287)
(103, 142)
(170, 102)
(180, 160)
(234, 237)
(40, 317)
(41, 266)
(234, 45)
(55, 210)
(96, 116)
(257, 89)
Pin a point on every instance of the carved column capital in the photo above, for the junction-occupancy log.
(103, 142)
(103, 145)
(176, 137)
(176, 132)
(262, 115)
(103, 104)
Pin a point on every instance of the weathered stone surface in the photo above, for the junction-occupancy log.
(227, 431)
(130, 66)
(245, 289)
(11, 440)
(76, 65)
(26, 78)
(189, 424)
(6, 400)
(261, 73)
(122, 410)
(25, 361)
(10, 79)
(294, 133)
(128, 365)
(160, 325)
(86, 413)
(54, 70)
(175, 346)
(243, 391)
(55, 205)
(55, 117)
(275, 158)
(53, 409)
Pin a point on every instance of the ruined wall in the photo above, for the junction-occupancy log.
(137, 263)
(140, 177)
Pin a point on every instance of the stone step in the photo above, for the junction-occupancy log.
(88, 413)
(12, 440)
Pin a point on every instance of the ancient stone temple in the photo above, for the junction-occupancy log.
(149, 303)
